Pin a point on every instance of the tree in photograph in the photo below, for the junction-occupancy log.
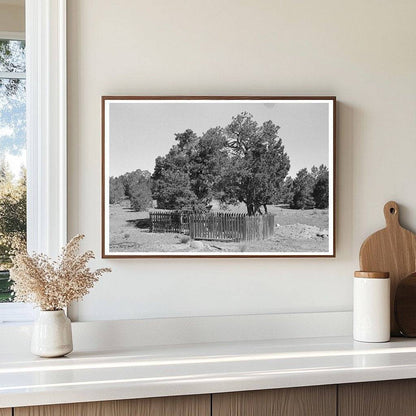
(117, 190)
(321, 188)
(137, 187)
(171, 187)
(303, 186)
(171, 184)
(206, 165)
(258, 163)
(186, 142)
(314, 172)
(286, 194)
(188, 176)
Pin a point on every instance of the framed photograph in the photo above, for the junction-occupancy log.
(218, 176)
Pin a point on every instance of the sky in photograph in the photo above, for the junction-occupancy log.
(140, 132)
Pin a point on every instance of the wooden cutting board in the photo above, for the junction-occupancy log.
(393, 250)
(405, 306)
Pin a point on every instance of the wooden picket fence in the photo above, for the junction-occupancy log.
(169, 222)
(230, 227)
(219, 226)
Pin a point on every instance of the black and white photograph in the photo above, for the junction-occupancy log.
(218, 176)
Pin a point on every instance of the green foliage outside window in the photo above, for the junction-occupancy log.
(12, 223)
(12, 145)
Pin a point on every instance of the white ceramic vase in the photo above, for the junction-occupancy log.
(52, 334)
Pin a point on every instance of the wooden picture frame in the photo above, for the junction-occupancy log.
(168, 204)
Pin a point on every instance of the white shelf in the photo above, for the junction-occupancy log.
(151, 371)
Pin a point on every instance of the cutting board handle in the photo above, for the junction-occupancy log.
(391, 213)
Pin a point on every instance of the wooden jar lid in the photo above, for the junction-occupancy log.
(372, 275)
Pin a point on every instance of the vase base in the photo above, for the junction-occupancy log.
(60, 351)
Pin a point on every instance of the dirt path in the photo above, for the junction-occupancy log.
(295, 231)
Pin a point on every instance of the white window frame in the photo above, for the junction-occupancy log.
(46, 128)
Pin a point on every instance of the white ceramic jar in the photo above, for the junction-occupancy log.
(52, 334)
(371, 313)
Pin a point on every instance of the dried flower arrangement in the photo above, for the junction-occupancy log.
(53, 285)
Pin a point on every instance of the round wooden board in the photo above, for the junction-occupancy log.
(405, 306)
(393, 250)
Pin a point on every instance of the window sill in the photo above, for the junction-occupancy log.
(16, 313)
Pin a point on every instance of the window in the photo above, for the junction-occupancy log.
(12, 154)
(45, 138)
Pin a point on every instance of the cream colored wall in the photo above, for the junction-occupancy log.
(361, 51)
(12, 18)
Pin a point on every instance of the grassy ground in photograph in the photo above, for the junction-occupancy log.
(295, 231)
